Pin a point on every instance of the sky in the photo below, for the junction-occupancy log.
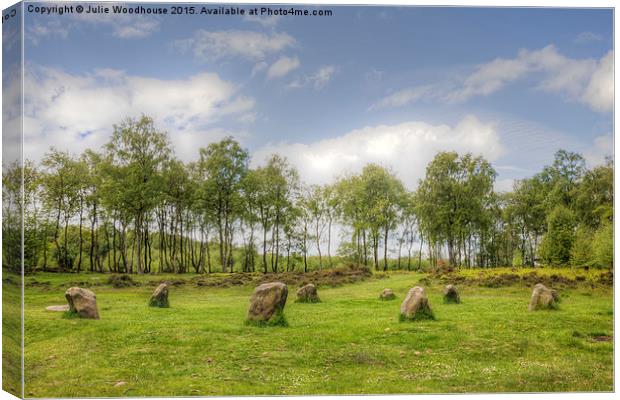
(391, 85)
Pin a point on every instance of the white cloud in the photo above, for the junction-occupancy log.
(602, 147)
(139, 28)
(407, 148)
(599, 94)
(54, 28)
(282, 66)
(123, 26)
(11, 113)
(583, 80)
(587, 37)
(78, 111)
(503, 185)
(322, 77)
(215, 45)
(402, 97)
(317, 80)
(269, 21)
(248, 118)
(259, 67)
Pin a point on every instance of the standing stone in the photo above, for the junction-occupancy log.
(416, 305)
(543, 298)
(451, 294)
(159, 298)
(267, 301)
(308, 294)
(387, 294)
(83, 302)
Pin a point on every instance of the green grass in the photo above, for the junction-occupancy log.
(11, 334)
(349, 343)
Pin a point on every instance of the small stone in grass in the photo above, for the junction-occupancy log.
(451, 295)
(308, 294)
(387, 294)
(62, 308)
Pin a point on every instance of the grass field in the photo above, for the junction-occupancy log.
(351, 342)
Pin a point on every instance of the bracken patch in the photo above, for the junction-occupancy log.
(122, 281)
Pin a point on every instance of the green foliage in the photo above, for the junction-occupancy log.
(556, 246)
(135, 208)
(70, 315)
(581, 252)
(455, 200)
(595, 196)
(603, 245)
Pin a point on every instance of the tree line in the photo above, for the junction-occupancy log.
(134, 208)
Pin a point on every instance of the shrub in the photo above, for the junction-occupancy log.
(603, 245)
(556, 246)
(581, 254)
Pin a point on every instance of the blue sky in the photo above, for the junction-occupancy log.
(392, 85)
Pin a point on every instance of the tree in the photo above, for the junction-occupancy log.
(594, 197)
(277, 183)
(561, 178)
(62, 193)
(453, 202)
(316, 206)
(526, 210)
(603, 245)
(225, 165)
(556, 246)
(138, 152)
(582, 252)
(384, 196)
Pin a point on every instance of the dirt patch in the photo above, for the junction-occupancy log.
(595, 337)
(602, 338)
